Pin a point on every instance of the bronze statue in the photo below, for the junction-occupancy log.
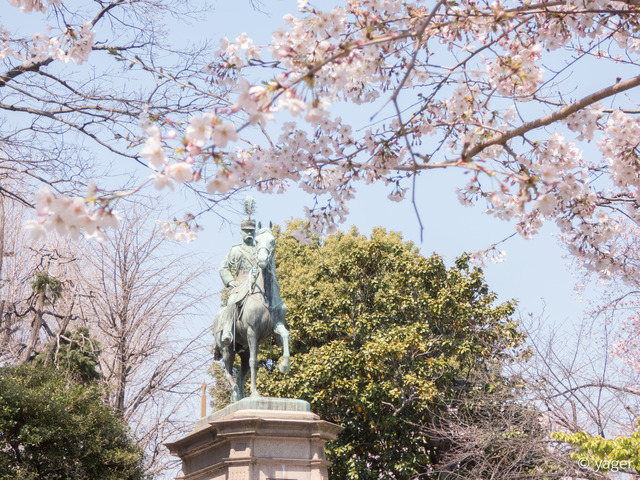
(234, 272)
(254, 310)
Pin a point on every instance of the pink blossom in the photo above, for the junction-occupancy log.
(200, 129)
(161, 181)
(44, 201)
(36, 229)
(294, 105)
(302, 236)
(224, 133)
(221, 184)
(153, 151)
(181, 172)
(108, 219)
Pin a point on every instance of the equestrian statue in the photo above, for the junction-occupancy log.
(254, 310)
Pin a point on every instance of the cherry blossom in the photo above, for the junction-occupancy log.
(178, 231)
(160, 181)
(72, 45)
(28, 6)
(468, 85)
(181, 172)
(301, 236)
(154, 152)
(71, 216)
(200, 129)
(223, 134)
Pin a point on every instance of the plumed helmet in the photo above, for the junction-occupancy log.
(248, 224)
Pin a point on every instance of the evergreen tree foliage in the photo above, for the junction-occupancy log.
(385, 342)
(54, 428)
(75, 353)
(48, 286)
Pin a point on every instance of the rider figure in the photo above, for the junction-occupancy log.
(235, 272)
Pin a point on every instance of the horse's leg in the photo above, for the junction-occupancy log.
(244, 369)
(252, 341)
(284, 337)
(217, 335)
(228, 356)
(228, 319)
(279, 329)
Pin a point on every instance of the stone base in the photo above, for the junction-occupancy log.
(257, 439)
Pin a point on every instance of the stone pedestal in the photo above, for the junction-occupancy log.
(257, 439)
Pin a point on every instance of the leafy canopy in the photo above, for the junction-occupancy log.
(74, 352)
(382, 339)
(604, 455)
(53, 428)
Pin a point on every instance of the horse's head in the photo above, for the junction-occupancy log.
(265, 242)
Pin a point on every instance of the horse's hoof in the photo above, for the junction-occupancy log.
(226, 339)
(255, 395)
(284, 366)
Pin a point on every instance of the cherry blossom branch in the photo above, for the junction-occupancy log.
(80, 128)
(5, 78)
(416, 48)
(105, 10)
(560, 114)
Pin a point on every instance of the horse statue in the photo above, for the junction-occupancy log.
(260, 315)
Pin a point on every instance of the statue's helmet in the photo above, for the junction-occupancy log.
(248, 224)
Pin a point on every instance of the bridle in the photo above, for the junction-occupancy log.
(270, 252)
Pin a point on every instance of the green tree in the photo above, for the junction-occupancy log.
(384, 343)
(47, 290)
(616, 454)
(73, 352)
(56, 429)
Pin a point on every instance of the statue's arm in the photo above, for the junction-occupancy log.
(225, 268)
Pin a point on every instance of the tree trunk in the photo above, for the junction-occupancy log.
(54, 344)
(121, 375)
(3, 328)
(35, 329)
